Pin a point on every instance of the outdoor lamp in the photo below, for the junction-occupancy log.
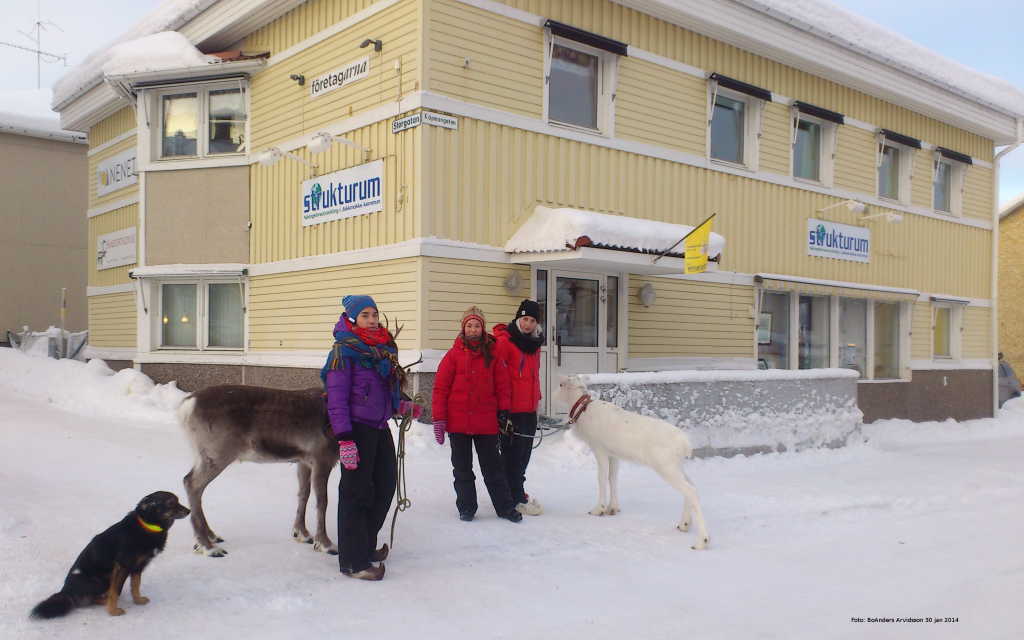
(893, 218)
(377, 44)
(273, 155)
(853, 205)
(321, 142)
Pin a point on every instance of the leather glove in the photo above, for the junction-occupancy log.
(405, 406)
(348, 454)
(439, 428)
(505, 422)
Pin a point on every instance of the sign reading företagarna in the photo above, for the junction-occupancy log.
(343, 194)
(346, 75)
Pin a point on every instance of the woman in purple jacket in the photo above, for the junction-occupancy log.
(363, 381)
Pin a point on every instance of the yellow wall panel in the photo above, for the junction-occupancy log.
(112, 321)
(977, 195)
(304, 21)
(856, 163)
(658, 106)
(113, 196)
(775, 145)
(975, 336)
(110, 222)
(111, 127)
(921, 184)
(455, 285)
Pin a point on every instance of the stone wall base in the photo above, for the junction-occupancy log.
(932, 395)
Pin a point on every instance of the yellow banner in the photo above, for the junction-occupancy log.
(697, 248)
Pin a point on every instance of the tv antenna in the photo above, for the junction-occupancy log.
(37, 29)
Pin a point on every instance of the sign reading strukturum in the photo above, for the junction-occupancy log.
(116, 172)
(343, 194)
(840, 241)
(116, 249)
(346, 75)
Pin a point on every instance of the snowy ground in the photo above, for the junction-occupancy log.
(920, 521)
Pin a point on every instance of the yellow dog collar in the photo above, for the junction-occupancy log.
(149, 527)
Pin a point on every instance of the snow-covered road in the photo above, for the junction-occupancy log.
(921, 521)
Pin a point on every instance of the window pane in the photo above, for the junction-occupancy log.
(576, 305)
(814, 332)
(542, 298)
(853, 334)
(181, 113)
(727, 130)
(179, 315)
(887, 341)
(773, 330)
(889, 174)
(613, 312)
(226, 326)
(940, 334)
(807, 151)
(227, 121)
(572, 88)
(943, 183)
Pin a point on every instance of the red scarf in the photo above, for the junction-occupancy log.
(374, 337)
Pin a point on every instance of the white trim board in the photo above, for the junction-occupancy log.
(109, 289)
(113, 206)
(113, 141)
(950, 365)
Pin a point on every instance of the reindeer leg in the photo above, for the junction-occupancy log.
(678, 479)
(602, 481)
(299, 530)
(613, 485)
(195, 484)
(321, 473)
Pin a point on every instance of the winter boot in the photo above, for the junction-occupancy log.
(531, 508)
(381, 554)
(513, 516)
(466, 516)
(372, 573)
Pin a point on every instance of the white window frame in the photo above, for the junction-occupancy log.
(751, 125)
(956, 185)
(826, 154)
(202, 314)
(152, 100)
(607, 77)
(956, 319)
(906, 167)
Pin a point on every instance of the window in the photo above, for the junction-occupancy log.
(576, 307)
(573, 87)
(773, 330)
(943, 187)
(887, 341)
(728, 129)
(202, 315)
(941, 323)
(613, 312)
(542, 298)
(807, 151)
(201, 122)
(853, 334)
(889, 173)
(814, 332)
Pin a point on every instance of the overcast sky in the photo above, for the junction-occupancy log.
(987, 35)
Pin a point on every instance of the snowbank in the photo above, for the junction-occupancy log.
(723, 375)
(29, 111)
(91, 388)
(156, 52)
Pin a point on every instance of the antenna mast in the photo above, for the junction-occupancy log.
(38, 28)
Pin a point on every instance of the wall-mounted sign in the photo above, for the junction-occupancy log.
(840, 241)
(343, 194)
(402, 124)
(339, 78)
(116, 249)
(439, 120)
(116, 172)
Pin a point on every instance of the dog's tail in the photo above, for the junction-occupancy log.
(57, 605)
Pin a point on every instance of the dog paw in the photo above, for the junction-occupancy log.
(300, 536)
(141, 600)
(325, 548)
(117, 612)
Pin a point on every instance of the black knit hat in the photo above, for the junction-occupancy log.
(529, 308)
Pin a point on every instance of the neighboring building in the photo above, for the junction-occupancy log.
(1011, 282)
(42, 216)
(485, 121)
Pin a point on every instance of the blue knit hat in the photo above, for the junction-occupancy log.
(355, 304)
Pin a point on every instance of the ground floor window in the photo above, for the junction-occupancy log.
(887, 340)
(853, 334)
(773, 331)
(941, 323)
(202, 315)
(612, 339)
(813, 332)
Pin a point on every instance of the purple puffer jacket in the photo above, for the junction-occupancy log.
(356, 394)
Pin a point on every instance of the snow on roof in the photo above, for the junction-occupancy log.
(156, 52)
(552, 229)
(850, 30)
(28, 112)
(1011, 206)
(168, 16)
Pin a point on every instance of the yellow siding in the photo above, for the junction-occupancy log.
(110, 222)
(275, 197)
(921, 185)
(112, 321)
(774, 149)
(975, 336)
(455, 285)
(1011, 289)
(506, 69)
(856, 163)
(282, 110)
(304, 21)
(113, 196)
(658, 106)
(977, 196)
(111, 127)
(480, 181)
(921, 338)
(690, 319)
(298, 310)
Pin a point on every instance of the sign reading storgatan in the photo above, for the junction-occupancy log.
(840, 241)
(116, 249)
(343, 194)
(339, 78)
(116, 172)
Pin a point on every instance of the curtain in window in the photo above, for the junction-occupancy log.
(179, 315)
(226, 324)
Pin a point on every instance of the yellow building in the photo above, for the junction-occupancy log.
(1011, 282)
(443, 153)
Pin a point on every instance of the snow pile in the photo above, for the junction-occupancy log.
(29, 111)
(721, 375)
(552, 229)
(37, 343)
(157, 52)
(843, 26)
(91, 388)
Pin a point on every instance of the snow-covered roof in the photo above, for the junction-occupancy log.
(552, 229)
(155, 52)
(1011, 206)
(27, 112)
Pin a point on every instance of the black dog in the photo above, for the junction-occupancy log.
(123, 550)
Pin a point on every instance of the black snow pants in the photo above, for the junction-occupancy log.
(364, 496)
(488, 452)
(516, 451)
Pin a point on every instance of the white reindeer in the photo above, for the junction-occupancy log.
(613, 433)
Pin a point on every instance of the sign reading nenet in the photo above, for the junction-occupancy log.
(116, 249)
(840, 241)
(343, 194)
(339, 78)
(116, 172)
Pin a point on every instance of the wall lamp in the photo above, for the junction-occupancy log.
(853, 205)
(301, 79)
(273, 155)
(321, 142)
(889, 216)
(377, 44)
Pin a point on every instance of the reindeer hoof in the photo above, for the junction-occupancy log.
(325, 548)
(301, 537)
(684, 527)
(597, 511)
(701, 544)
(218, 539)
(213, 552)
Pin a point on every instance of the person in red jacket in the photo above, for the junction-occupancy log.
(518, 345)
(471, 395)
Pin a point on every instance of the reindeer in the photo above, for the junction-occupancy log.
(226, 423)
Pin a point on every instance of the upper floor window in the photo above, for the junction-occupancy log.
(579, 82)
(889, 173)
(949, 171)
(814, 135)
(807, 151)
(943, 194)
(202, 121)
(735, 114)
(896, 155)
(728, 129)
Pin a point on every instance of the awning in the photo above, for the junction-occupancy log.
(813, 286)
(586, 37)
(190, 271)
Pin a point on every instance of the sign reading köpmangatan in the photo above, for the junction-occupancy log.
(343, 194)
(116, 249)
(840, 241)
(116, 172)
(339, 78)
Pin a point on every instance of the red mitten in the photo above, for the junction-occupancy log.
(348, 454)
(404, 407)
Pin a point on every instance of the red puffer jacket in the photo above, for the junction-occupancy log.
(523, 371)
(469, 394)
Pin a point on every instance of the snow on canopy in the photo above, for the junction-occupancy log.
(156, 52)
(29, 111)
(552, 229)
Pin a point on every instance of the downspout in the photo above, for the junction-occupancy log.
(994, 319)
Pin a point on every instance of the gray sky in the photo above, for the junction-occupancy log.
(987, 35)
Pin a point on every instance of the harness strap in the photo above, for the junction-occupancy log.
(578, 408)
